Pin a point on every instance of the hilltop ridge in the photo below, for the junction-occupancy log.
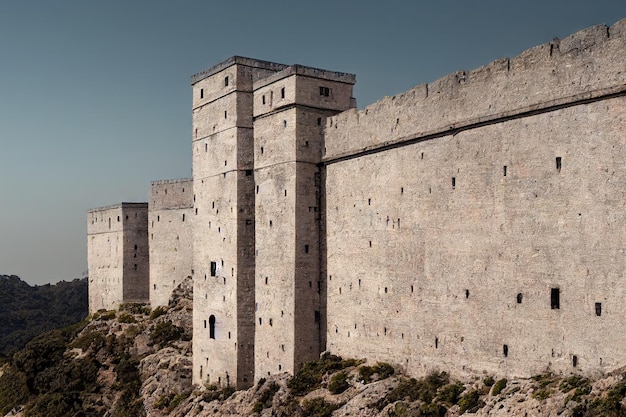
(27, 311)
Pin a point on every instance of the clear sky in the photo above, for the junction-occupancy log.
(95, 97)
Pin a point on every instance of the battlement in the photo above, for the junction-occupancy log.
(321, 74)
(579, 67)
(118, 206)
(171, 194)
(237, 60)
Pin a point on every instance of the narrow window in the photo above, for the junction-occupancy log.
(248, 172)
(135, 267)
(436, 342)
(135, 247)
(306, 248)
(504, 170)
(317, 316)
(213, 268)
(183, 217)
(324, 91)
(155, 289)
(202, 93)
(453, 182)
(265, 280)
(284, 123)
(118, 218)
(271, 322)
(519, 298)
(574, 361)
(466, 293)
(212, 327)
(319, 121)
(282, 92)
(263, 99)
(225, 114)
(205, 324)
(226, 82)
(555, 298)
(505, 350)
(558, 163)
(598, 309)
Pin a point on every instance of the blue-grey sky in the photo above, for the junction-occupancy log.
(95, 97)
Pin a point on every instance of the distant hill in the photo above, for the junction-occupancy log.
(27, 311)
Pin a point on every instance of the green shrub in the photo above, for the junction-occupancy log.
(265, 399)
(136, 308)
(179, 398)
(126, 318)
(382, 370)
(318, 407)
(469, 401)
(449, 394)
(309, 377)
(13, 389)
(338, 383)
(157, 312)
(91, 339)
(488, 381)
(412, 390)
(106, 316)
(498, 387)
(164, 401)
(610, 404)
(165, 332)
(213, 393)
(580, 385)
(542, 393)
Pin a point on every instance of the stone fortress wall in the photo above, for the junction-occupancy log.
(169, 223)
(474, 223)
(470, 225)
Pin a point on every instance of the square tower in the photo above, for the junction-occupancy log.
(117, 255)
(170, 215)
(290, 110)
(223, 233)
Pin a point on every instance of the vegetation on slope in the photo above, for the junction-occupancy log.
(27, 311)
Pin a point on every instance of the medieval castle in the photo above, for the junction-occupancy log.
(473, 224)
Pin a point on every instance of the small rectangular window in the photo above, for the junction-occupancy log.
(202, 93)
(598, 309)
(324, 91)
(213, 268)
(226, 82)
(555, 298)
(317, 316)
(453, 182)
(282, 92)
(263, 99)
(558, 163)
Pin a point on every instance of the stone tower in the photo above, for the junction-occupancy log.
(290, 110)
(170, 216)
(223, 233)
(118, 260)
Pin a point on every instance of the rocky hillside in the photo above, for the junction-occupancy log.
(137, 362)
(26, 311)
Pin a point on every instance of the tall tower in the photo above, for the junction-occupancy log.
(170, 215)
(290, 110)
(223, 233)
(117, 255)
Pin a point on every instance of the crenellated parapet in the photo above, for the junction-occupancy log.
(583, 66)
